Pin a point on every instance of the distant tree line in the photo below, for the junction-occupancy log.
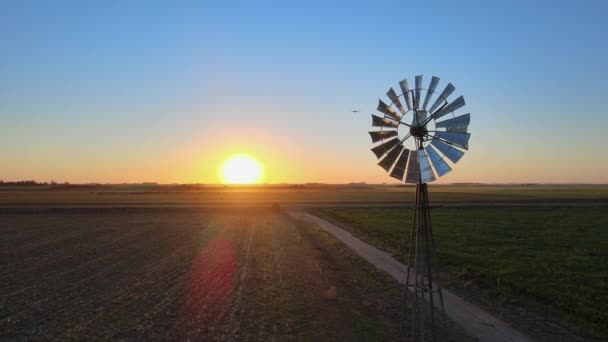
(30, 183)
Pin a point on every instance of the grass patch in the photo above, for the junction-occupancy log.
(556, 257)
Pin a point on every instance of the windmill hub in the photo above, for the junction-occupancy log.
(419, 131)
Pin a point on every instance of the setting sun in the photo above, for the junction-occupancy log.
(241, 169)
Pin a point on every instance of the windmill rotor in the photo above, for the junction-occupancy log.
(439, 135)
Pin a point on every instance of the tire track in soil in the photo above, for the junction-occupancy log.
(283, 291)
(212, 294)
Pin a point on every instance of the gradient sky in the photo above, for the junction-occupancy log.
(117, 91)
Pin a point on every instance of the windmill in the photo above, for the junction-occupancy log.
(414, 144)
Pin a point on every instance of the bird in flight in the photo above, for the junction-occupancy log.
(355, 111)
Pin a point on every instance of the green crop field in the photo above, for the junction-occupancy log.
(553, 259)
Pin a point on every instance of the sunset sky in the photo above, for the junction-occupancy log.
(116, 91)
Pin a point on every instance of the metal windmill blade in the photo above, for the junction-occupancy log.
(406, 93)
(458, 124)
(440, 165)
(426, 173)
(387, 110)
(457, 139)
(452, 153)
(381, 149)
(458, 103)
(449, 89)
(399, 169)
(413, 169)
(417, 91)
(430, 91)
(459, 121)
(395, 100)
(383, 122)
(389, 160)
(381, 135)
(419, 118)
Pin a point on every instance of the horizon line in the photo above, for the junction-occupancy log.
(66, 183)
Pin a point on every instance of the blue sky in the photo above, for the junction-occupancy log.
(159, 91)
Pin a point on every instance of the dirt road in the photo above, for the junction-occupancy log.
(478, 323)
(175, 274)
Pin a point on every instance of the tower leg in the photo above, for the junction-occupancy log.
(422, 293)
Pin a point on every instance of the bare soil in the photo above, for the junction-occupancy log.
(176, 274)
